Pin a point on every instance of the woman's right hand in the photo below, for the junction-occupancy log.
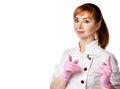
(69, 69)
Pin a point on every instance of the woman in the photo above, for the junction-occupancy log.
(88, 66)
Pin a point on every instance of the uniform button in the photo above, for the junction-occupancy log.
(89, 58)
(82, 81)
(85, 69)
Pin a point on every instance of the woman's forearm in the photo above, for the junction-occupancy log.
(58, 83)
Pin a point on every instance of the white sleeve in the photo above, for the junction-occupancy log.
(60, 65)
(115, 76)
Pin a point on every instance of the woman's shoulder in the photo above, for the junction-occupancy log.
(105, 52)
(71, 50)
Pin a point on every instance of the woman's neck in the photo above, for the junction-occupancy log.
(83, 44)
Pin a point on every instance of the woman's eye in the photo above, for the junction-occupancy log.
(86, 21)
(76, 20)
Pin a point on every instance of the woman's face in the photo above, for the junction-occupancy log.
(85, 26)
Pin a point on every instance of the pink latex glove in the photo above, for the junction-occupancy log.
(69, 69)
(105, 70)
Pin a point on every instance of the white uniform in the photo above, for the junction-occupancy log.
(89, 61)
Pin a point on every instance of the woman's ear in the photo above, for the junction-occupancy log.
(98, 25)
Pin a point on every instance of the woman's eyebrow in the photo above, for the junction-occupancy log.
(86, 18)
(76, 18)
(83, 17)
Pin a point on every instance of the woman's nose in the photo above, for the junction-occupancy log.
(80, 25)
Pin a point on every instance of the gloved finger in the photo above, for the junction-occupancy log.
(76, 61)
(68, 69)
(101, 68)
(101, 71)
(75, 68)
(69, 58)
(108, 61)
(103, 64)
(72, 64)
(67, 66)
(72, 68)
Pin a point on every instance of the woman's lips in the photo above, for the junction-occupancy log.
(80, 32)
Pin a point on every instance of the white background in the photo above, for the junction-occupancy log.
(34, 34)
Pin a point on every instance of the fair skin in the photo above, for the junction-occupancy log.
(85, 28)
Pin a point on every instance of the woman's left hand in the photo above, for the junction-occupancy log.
(105, 71)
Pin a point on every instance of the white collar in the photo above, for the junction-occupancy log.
(91, 46)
